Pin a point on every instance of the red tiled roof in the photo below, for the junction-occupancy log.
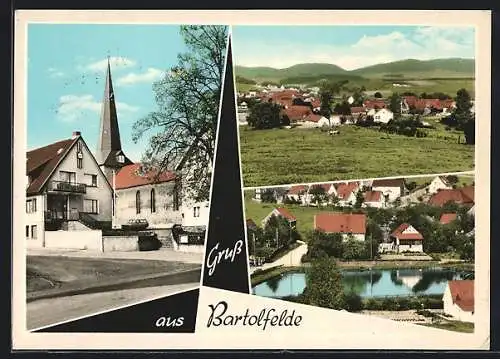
(130, 176)
(316, 103)
(369, 104)
(393, 182)
(297, 189)
(344, 190)
(410, 100)
(398, 233)
(42, 161)
(462, 294)
(325, 186)
(284, 213)
(373, 196)
(464, 195)
(340, 223)
(297, 113)
(447, 218)
(358, 109)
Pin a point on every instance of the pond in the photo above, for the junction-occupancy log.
(369, 283)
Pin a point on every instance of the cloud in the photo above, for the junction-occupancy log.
(428, 42)
(149, 76)
(55, 73)
(73, 107)
(116, 62)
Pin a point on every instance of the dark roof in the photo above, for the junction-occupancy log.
(42, 161)
(112, 161)
(390, 182)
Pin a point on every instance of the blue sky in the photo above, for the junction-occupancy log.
(348, 46)
(66, 68)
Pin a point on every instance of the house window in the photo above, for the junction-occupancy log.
(91, 180)
(33, 232)
(138, 202)
(31, 205)
(120, 158)
(153, 201)
(79, 155)
(91, 206)
(196, 212)
(69, 177)
(27, 232)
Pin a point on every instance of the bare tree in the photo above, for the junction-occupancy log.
(183, 128)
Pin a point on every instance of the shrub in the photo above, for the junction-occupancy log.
(353, 302)
(149, 243)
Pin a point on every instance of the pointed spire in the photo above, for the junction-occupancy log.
(109, 138)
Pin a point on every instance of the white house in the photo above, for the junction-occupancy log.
(406, 238)
(283, 213)
(391, 188)
(299, 194)
(313, 120)
(67, 190)
(438, 183)
(383, 116)
(335, 120)
(374, 199)
(346, 193)
(458, 300)
(348, 225)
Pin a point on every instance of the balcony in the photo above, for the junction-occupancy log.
(53, 215)
(67, 187)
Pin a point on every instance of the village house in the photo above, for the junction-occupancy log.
(348, 225)
(66, 190)
(392, 189)
(277, 194)
(458, 300)
(346, 193)
(406, 238)
(383, 116)
(282, 213)
(313, 120)
(373, 199)
(328, 190)
(461, 196)
(375, 104)
(439, 183)
(299, 194)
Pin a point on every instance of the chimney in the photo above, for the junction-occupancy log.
(76, 134)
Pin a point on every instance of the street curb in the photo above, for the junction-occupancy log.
(171, 278)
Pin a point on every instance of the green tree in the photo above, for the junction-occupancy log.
(354, 249)
(318, 194)
(378, 95)
(265, 115)
(359, 200)
(395, 105)
(462, 111)
(184, 126)
(342, 108)
(324, 285)
(279, 233)
(267, 196)
(327, 92)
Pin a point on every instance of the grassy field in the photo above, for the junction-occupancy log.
(45, 272)
(285, 156)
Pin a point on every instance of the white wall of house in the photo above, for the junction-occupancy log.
(392, 192)
(335, 120)
(437, 184)
(411, 248)
(454, 310)
(383, 116)
(373, 204)
(164, 214)
(303, 199)
(102, 192)
(257, 194)
(349, 201)
(35, 221)
(195, 213)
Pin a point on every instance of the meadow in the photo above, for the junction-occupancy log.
(287, 156)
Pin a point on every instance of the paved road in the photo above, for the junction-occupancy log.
(42, 312)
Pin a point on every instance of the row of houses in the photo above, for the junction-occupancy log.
(73, 193)
(378, 193)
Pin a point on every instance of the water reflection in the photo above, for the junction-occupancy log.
(370, 283)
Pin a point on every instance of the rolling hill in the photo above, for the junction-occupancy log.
(404, 69)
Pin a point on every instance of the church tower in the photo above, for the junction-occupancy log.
(109, 153)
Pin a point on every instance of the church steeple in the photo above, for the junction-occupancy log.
(109, 153)
(109, 138)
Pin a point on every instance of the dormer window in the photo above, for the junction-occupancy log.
(120, 158)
